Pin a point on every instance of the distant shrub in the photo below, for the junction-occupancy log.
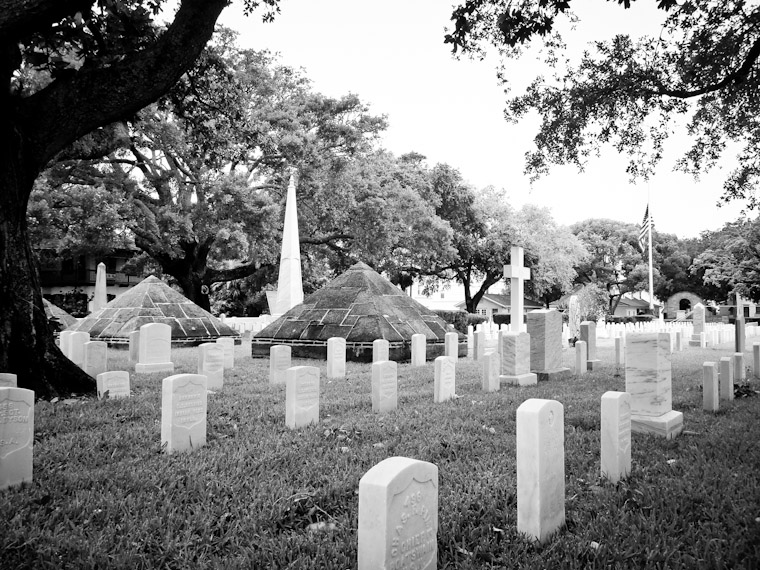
(456, 318)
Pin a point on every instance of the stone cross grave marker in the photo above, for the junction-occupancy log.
(581, 357)
(384, 386)
(183, 412)
(517, 274)
(134, 346)
(16, 436)
(398, 515)
(710, 387)
(211, 364)
(228, 345)
(444, 387)
(302, 396)
(95, 357)
(336, 357)
(616, 436)
(588, 334)
(279, 362)
(491, 369)
(540, 468)
(380, 350)
(451, 345)
(155, 352)
(515, 359)
(545, 330)
(648, 380)
(8, 380)
(114, 384)
(76, 347)
(726, 378)
(419, 348)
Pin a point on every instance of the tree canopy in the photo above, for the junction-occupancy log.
(702, 68)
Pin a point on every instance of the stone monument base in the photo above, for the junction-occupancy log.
(143, 368)
(591, 364)
(668, 425)
(556, 374)
(528, 379)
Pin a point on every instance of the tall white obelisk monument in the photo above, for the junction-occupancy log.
(289, 284)
(101, 297)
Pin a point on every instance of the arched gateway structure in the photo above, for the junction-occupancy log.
(361, 306)
(681, 301)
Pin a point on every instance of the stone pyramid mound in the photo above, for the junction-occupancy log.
(62, 319)
(153, 301)
(361, 306)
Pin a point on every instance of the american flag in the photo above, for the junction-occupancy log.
(644, 231)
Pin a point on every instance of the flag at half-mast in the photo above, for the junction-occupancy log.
(646, 224)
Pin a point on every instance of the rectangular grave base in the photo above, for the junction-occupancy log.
(528, 379)
(142, 368)
(557, 374)
(591, 364)
(668, 425)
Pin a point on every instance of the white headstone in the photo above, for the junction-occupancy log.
(588, 335)
(336, 357)
(95, 357)
(491, 368)
(279, 362)
(740, 373)
(134, 346)
(384, 386)
(302, 396)
(451, 345)
(419, 348)
(581, 361)
(444, 387)
(479, 339)
(76, 347)
(155, 351)
(616, 435)
(727, 378)
(16, 436)
(710, 387)
(545, 330)
(380, 350)
(517, 274)
(648, 380)
(114, 384)
(756, 359)
(183, 412)
(65, 343)
(398, 516)
(211, 364)
(540, 468)
(228, 345)
(698, 316)
(619, 353)
(8, 380)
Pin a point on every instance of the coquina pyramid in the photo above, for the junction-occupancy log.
(153, 301)
(361, 306)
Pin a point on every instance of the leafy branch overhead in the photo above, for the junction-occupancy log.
(702, 68)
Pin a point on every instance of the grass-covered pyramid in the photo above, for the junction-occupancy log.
(361, 306)
(153, 301)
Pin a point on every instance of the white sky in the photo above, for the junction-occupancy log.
(391, 53)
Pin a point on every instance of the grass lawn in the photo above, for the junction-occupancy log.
(104, 496)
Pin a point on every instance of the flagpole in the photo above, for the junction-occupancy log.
(651, 279)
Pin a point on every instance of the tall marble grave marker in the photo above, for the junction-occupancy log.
(419, 347)
(444, 387)
(517, 274)
(540, 468)
(515, 359)
(100, 297)
(336, 357)
(710, 387)
(616, 435)
(16, 436)
(398, 515)
(211, 364)
(588, 334)
(648, 381)
(183, 412)
(698, 317)
(384, 386)
(134, 346)
(155, 349)
(726, 378)
(279, 362)
(302, 396)
(545, 330)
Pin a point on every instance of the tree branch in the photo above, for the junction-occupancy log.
(20, 19)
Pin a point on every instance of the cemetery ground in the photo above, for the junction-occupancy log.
(260, 495)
